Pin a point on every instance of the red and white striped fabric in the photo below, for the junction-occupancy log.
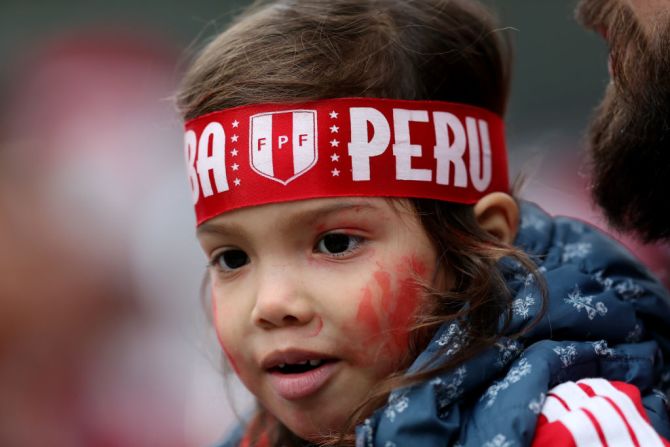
(595, 412)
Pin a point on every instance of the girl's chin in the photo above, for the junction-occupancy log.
(312, 426)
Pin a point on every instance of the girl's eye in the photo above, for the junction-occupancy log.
(338, 243)
(230, 260)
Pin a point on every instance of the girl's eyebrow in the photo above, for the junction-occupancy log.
(220, 229)
(307, 215)
(311, 215)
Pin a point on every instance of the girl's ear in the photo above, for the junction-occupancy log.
(498, 213)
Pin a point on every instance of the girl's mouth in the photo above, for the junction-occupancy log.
(300, 367)
(293, 381)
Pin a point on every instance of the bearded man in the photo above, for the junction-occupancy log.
(630, 132)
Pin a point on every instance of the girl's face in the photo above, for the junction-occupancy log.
(313, 301)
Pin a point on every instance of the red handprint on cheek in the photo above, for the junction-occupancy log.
(388, 306)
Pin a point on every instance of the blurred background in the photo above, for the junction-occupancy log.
(103, 338)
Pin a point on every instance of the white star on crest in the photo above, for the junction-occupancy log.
(335, 172)
(236, 123)
(333, 114)
(334, 143)
(235, 167)
(233, 153)
(334, 129)
(237, 182)
(234, 138)
(334, 157)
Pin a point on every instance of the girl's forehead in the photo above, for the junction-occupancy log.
(306, 212)
(308, 209)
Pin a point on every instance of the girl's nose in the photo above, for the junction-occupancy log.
(281, 299)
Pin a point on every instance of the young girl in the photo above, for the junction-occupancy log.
(373, 283)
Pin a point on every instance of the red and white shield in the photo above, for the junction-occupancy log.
(282, 145)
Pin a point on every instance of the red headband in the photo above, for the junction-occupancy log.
(267, 153)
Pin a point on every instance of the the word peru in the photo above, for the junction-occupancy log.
(451, 136)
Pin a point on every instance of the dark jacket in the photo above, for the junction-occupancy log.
(606, 317)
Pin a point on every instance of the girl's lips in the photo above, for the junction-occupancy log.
(300, 385)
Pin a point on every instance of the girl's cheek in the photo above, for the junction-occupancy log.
(367, 317)
(231, 360)
(227, 352)
(408, 298)
(386, 317)
(401, 316)
(317, 328)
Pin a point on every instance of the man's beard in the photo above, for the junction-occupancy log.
(630, 132)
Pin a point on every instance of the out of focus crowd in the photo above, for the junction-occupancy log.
(103, 340)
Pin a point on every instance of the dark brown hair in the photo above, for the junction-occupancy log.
(450, 50)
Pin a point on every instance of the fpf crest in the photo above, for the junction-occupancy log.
(282, 145)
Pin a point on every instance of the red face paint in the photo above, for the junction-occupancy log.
(407, 301)
(397, 306)
(367, 315)
(383, 279)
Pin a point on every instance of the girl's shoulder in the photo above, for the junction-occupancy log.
(596, 412)
(563, 240)
(575, 255)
